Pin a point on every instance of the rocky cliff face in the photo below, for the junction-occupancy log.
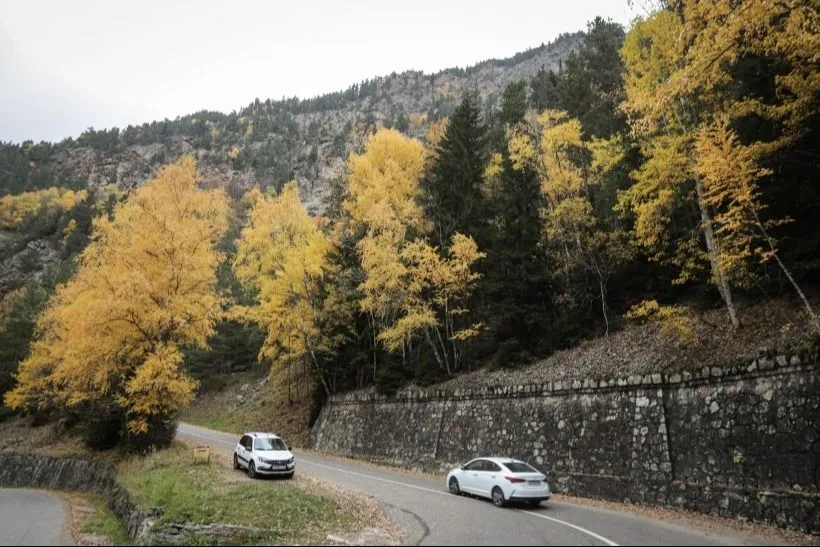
(21, 260)
(270, 142)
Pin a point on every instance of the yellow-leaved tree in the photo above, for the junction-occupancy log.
(571, 170)
(730, 177)
(110, 340)
(779, 38)
(282, 254)
(686, 91)
(15, 208)
(666, 185)
(409, 292)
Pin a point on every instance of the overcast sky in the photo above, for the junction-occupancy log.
(66, 65)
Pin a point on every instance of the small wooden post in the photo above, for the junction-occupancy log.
(202, 454)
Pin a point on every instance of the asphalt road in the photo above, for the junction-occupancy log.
(33, 517)
(436, 517)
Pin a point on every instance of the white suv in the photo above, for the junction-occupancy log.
(263, 454)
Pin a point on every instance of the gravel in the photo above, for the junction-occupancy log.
(775, 326)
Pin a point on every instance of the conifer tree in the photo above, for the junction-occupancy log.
(591, 85)
(516, 281)
(452, 193)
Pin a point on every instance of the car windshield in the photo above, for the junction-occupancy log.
(518, 467)
(269, 444)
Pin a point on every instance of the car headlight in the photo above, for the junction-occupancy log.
(265, 460)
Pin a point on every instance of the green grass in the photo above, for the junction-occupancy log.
(211, 493)
(105, 523)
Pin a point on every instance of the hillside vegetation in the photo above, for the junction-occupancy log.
(269, 142)
(251, 401)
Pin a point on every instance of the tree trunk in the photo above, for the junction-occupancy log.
(712, 248)
(450, 331)
(806, 303)
(318, 369)
(603, 301)
(435, 350)
(297, 376)
(373, 330)
(602, 287)
(290, 400)
(444, 352)
(313, 358)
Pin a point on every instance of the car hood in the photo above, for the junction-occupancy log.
(275, 454)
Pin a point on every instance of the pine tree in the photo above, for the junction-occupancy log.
(516, 280)
(347, 324)
(591, 86)
(513, 103)
(452, 193)
(544, 90)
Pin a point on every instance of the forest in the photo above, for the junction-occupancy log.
(664, 169)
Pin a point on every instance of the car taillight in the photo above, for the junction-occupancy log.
(515, 480)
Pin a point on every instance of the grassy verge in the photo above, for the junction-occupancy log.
(102, 522)
(93, 523)
(214, 493)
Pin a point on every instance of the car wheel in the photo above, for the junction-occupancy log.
(251, 470)
(235, 462)
(454, 489)
(498, 497)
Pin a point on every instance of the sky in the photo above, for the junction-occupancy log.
(66, 65)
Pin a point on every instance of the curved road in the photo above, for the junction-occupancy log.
(439, 518)
(33, 517)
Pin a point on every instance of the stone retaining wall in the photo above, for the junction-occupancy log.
(740, 441)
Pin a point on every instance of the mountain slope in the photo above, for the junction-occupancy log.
(270, 142)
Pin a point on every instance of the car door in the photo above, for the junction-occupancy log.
(242, 452)
(492, 474)
(249, 449)
(487, 478)
(477, 478)
(467, 479)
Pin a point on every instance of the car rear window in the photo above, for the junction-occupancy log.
(518, 467)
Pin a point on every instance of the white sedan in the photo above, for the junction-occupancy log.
(501, 480)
